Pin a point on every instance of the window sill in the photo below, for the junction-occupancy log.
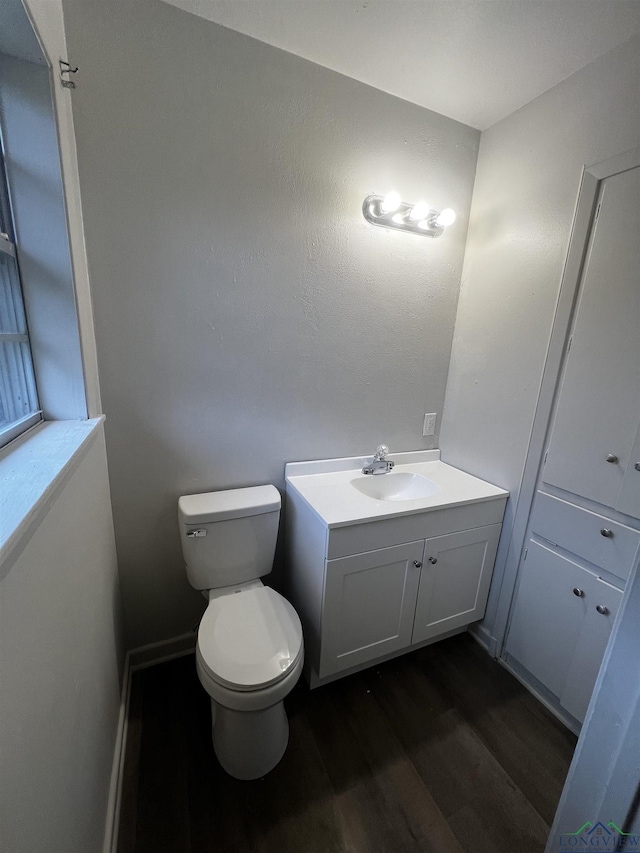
(33, 470)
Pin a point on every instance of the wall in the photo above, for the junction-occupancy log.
(528, 176)
(35, 183)
(59, 669)
(246, 313)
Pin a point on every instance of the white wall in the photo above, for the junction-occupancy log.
(246, 314)
(59, 670)
(528, 176)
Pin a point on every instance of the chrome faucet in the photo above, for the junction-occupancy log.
(379, 464)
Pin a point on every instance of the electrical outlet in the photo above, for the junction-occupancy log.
(429, 426)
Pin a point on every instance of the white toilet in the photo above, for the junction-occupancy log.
(250, 651)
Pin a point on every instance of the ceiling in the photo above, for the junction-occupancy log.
(476, 61)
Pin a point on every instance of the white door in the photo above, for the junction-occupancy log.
(602, 602)
(455, 579)
(599, 402)
(547, 618)
(369, 602)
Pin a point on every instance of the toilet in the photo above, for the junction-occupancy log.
(250, 651)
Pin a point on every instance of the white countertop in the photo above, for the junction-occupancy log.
(326, 487)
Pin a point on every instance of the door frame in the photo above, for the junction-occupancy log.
(592, 177)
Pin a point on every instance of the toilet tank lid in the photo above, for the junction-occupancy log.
(232, 503)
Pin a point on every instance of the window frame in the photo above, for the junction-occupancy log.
(9, 247)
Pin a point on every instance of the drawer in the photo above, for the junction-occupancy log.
(382, 533)
(579, 531)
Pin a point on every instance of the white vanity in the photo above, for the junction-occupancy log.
(381, 564)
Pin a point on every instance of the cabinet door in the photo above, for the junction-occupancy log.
(547, 615)
(591, 645)
(455, 579)
(599, 401)
(629, 497)
(369, 602)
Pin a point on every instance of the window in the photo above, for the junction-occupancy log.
(19, 408)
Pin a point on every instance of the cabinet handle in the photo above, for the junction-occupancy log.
(417, 564)
(611, 457)
(607, 533)
(433, 560)
(602, 608)
(578, 592)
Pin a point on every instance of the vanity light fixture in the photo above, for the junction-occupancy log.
(390, 211)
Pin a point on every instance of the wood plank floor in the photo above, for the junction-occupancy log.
(439, 751)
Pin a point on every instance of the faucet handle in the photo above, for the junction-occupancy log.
(381, 452)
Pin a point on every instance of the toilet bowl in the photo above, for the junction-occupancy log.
(249, 656)
(250, 649)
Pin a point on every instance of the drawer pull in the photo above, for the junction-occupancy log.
(578, 592)
(602, 608)
(607, 533)
(637, 466)
(611, 457)
(433, 560)
(417, 564)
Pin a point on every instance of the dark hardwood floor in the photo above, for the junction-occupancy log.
(440, 750)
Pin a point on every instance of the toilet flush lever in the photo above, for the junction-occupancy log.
(195, 534)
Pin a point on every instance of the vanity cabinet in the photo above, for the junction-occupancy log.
(454, 580)
(369, 605)
(387, 600)
(371, 588)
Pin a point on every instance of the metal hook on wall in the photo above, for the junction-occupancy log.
(65, 68)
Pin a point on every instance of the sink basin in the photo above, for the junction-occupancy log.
(395, 487)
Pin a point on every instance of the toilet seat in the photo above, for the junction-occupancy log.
(249, 638)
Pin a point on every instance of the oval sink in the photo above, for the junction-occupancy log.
(395, 487)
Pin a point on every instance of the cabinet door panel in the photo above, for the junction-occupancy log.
(547, 616)
(453, 590)
(592, 642)
(369, 603)
(599, 401)
(629, 497)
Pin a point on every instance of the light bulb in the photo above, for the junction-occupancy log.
(419, 211)
(398, 218)
(424, 224)
(446, 217)
(391, 201)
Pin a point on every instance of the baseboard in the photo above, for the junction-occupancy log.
(483, 637)
(539, 692)
(115, 788)
(162, 651)
(135, 659)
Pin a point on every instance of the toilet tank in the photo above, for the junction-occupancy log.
(229, 537)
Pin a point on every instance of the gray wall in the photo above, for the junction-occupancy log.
(529, 170)
(35, 183)
(246, 313)
(59, 670)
